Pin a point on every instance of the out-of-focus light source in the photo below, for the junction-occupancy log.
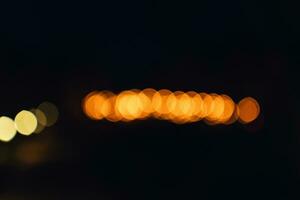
(160, 105)
(7, 129)
(129, 105)
(25, 122)
(178, 107)
(216, 109)
(249, 110)
(51, 112)
(229, 108)
(146, 96)
(31, 153)
(41, 118)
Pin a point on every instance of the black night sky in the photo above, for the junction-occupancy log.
(59, 51)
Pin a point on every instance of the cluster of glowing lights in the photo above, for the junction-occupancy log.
(28, 122)
(178, 107)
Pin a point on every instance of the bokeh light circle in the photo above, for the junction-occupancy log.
(7, 129)
(249, 110)
(26, 122)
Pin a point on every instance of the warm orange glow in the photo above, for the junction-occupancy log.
(248, 110)
(178, 107)
(113, 114)
(134, 105)
(92, 105)
(129, 105)
(146, 102)
(217, 108)
(207, 104)
(234, 117)
(185, 106)
(229, 108)
(173, 104)
(101, 105)
(159, 103)
(98, 105)
(196, 108)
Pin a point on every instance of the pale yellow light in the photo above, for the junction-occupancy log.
(25, 122)
(7, 129)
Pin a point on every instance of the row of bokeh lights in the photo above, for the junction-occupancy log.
(178, 107)
(28, 122)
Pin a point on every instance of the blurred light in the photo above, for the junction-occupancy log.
(234, 117)
(93, 103)
(217, 109)
(159, 103)
(105, 105)
(7, 129)
(207, 104)
(89, 106)
(113, 115)
(146, 100)
(131, 105)
(183, 109)
(134, 105)
(196, 108)
(25, 122)
(31, 153)
(41, 118)
(51, 112)
(248, 110)
(229, 108)
(178, 107)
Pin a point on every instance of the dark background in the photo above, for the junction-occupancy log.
(60, 50)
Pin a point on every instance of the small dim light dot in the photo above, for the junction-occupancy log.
(31, 153)
(7, 129)
(248, 110)
(51, 112)
(25, 122)
(41, 117)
